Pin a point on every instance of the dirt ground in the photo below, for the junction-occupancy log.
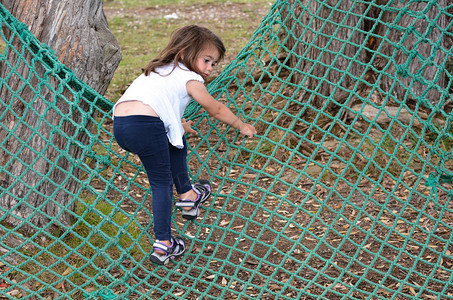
(390, 238)
(280, 230)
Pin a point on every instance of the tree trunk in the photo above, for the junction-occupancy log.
(335, 47)
(37, 176)
(414, 42)
(328, 49)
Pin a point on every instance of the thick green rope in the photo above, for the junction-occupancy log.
(344, 194)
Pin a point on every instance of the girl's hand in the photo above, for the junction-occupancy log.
(248, 130)
(187, 125)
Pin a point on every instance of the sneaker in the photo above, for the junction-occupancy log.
(176, 249)
(203, 190)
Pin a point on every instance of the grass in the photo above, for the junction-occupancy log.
(100, 234)
(141, 35)
(142, 29)
(96, 240)
(147, 3)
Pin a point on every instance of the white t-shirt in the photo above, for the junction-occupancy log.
(166, 93)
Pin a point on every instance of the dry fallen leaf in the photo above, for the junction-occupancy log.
(224, 223)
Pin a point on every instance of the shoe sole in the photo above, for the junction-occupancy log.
(190, 217)
(164, 262)
(157, 261)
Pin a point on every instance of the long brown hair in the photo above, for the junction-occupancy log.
(184, 46)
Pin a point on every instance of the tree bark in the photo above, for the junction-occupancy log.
(337, 46)
(328, 49)
(413, 39)
(37, 176)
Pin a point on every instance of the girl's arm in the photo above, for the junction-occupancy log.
(218, 110)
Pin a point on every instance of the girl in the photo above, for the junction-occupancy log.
(147, 122)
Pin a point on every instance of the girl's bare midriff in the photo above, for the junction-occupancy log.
(135, 107)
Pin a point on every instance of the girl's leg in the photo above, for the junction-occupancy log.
(180, 173)
(179, 168)
(146, 137)
(159, 175)
(196, 194)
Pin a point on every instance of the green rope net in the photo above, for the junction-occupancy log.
(344, 194)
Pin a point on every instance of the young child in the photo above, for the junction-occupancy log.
(147, 122)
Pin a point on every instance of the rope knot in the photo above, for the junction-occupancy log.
(402, 70)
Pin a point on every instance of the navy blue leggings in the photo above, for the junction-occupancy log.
(165, 164)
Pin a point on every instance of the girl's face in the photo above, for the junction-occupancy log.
(206, 60)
